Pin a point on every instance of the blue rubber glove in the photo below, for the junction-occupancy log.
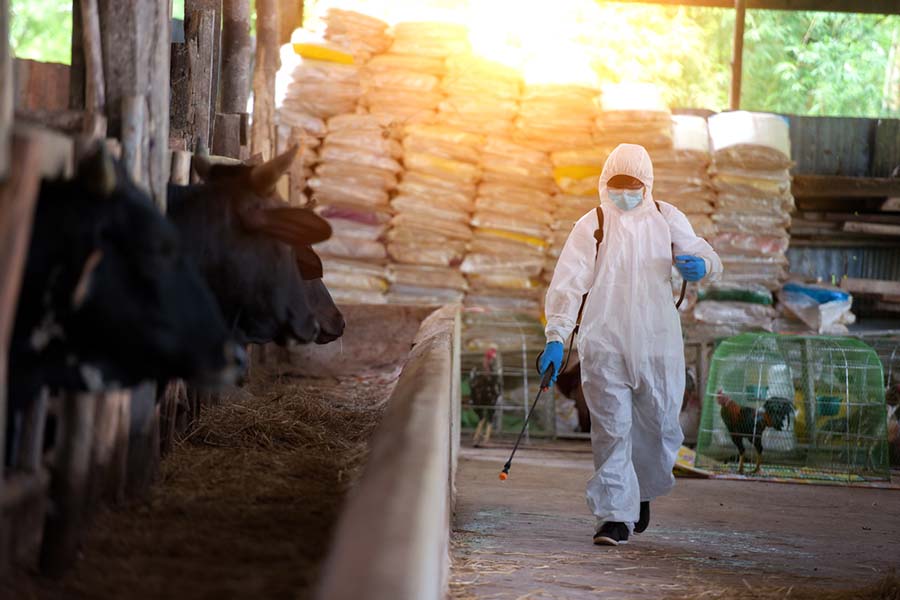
(692, 268)
(552, 355)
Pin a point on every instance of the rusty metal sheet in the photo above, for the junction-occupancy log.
(832, 145)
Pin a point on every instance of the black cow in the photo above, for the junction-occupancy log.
(108, 298)
(255, 252)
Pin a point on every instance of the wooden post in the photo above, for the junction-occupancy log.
(95, 91)
(103, 475)
(227, 141)
(202, 40)
(119, 468)
(266, 66)
(235, 56)
(737, 60)
(181, 167)
(68, 487)
(143, 444)
(132, 136)
(192, 10)
(77, 68)
(290, 17)
(6, 92)
(156, 131)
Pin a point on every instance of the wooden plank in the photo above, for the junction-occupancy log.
(826, 186)
(202, 36)
(737, 57)
(863, 218)
(6, 90)
(883, 7)
(266, 66)
(891, 205)
(227, 141)
(77, 64)
(69, 485)
(886, 150)
(871, 287)
(181, 167)
(235, 87)
(41, 86)
(192, 8)
(143, 441)
(119, 463)
(872, 228)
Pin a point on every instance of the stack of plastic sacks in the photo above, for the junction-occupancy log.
(751, 158)
(403, 88)
(433, 206)
(351, 188)
(813, 309)
(482, 96)
(317, 80)
(681, 177)
(513, 214)
(724, 309)
(554, 117)
(635, 114)
(361, 35)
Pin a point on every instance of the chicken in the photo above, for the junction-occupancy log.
(892, 395)
(486, 388)
(745, 422)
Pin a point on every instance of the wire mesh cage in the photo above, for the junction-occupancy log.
(801, 407)
(888, 349)
(499, 377)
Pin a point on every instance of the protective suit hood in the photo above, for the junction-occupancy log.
(628, 159)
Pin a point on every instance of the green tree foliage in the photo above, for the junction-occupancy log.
(807, 63)
(41, 29)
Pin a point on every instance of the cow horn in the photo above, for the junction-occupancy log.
(202, 166)
(99, 172)
(265, 176)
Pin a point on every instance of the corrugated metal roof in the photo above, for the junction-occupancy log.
(863, 263)
(832, 145)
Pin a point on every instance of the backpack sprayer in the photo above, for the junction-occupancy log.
(548, 374)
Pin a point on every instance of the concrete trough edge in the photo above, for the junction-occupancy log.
(392, 539)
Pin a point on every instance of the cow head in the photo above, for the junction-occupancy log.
(108, 296)
(255, 247)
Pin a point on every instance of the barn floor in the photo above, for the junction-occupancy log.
(530, 537)
(245, 508)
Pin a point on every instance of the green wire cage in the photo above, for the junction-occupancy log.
(795, 407)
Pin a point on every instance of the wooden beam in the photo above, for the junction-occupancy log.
(227, 141)
(235, 87)
(156, 132)
(737, 57)
(827, 186)
(871, 286)
(872, 228)
(202, 36)
(95, 91)
(882, 7)
(891, 205)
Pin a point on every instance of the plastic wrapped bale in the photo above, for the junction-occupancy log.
(751, 157)
(636, 114)
(362, 35)
(680, 175)
(482, 96)
(797, 407)
(556, 117)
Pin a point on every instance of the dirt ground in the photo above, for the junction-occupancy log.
(530, 537)
(245, 508)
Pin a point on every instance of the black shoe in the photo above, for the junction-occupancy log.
(644, 519)
(611, 534)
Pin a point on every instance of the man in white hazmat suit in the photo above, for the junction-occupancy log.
(629, 340)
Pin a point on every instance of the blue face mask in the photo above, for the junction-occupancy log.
(626, 199)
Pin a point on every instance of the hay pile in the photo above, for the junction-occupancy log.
(246, 506)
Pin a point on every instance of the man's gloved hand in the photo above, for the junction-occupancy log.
(692, 268)
(552, 355)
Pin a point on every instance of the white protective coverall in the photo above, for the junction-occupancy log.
(629, 342)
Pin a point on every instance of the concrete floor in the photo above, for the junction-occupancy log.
(530, 537)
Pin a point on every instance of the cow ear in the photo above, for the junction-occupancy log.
(265, 176)
(98, 172)
(293, 226)
(308, 262)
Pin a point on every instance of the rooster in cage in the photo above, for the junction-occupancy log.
(892, 399)
(486, 387)
(744, 422)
